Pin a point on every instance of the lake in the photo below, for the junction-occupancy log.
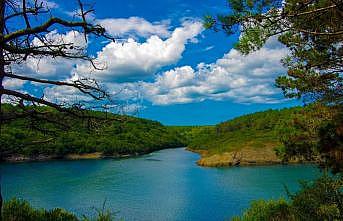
(164, 185)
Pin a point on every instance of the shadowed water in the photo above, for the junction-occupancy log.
(164, 185)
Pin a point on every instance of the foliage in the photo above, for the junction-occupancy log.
(300, 133)
(315, 135)
(331, 141)
(253, 130)
(102, 132)
(318, 200)
(313, 33)
(21, 210)
(271, 210)
(311, 30)
(311, 133)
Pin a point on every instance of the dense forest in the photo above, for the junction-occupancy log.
(95, 131)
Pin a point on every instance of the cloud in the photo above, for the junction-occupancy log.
(13, 84)
(123, 100)
(44, 3)
(135, 26)
(52, 68)
(129, 61)
(131, 68)
(65, 94)
(235, 77)
(132, 61)
(243, 79)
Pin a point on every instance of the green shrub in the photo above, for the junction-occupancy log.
(21, 210)
(102, 215)
(319, 200)
(271, 210)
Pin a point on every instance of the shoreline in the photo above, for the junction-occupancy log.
(18, 158)
(226, 159)
(240, 158)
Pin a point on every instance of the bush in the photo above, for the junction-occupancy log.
(271, 210)
(21, 210)
(319, 200)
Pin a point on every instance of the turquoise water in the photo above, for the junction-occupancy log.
(164, 185)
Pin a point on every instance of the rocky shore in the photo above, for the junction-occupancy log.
(243, 157)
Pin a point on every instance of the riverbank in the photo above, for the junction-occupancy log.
(242, 157)
(17, 158)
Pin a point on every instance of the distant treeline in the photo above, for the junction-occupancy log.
(57, 133)
(63, 133)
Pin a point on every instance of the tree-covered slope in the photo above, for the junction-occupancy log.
(63, 134)
(257, 138)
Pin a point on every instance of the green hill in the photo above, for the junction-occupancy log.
(62, 135)
(250, 139)
(257, 138)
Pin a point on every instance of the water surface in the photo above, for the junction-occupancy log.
(164, 185)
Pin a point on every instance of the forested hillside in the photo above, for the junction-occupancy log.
(255, 129)
(106, 133)
(258, 138)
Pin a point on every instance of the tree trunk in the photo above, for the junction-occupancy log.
(2, 75)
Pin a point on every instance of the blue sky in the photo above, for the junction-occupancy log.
(165, 64)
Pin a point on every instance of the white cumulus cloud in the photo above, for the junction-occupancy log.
(131, 67)
(135, 26)
(235, 77)
(243, 79)
(132, 61)
(13, 84)
(48, 67)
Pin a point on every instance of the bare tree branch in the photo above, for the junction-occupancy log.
(28, 97)
(52, 21)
